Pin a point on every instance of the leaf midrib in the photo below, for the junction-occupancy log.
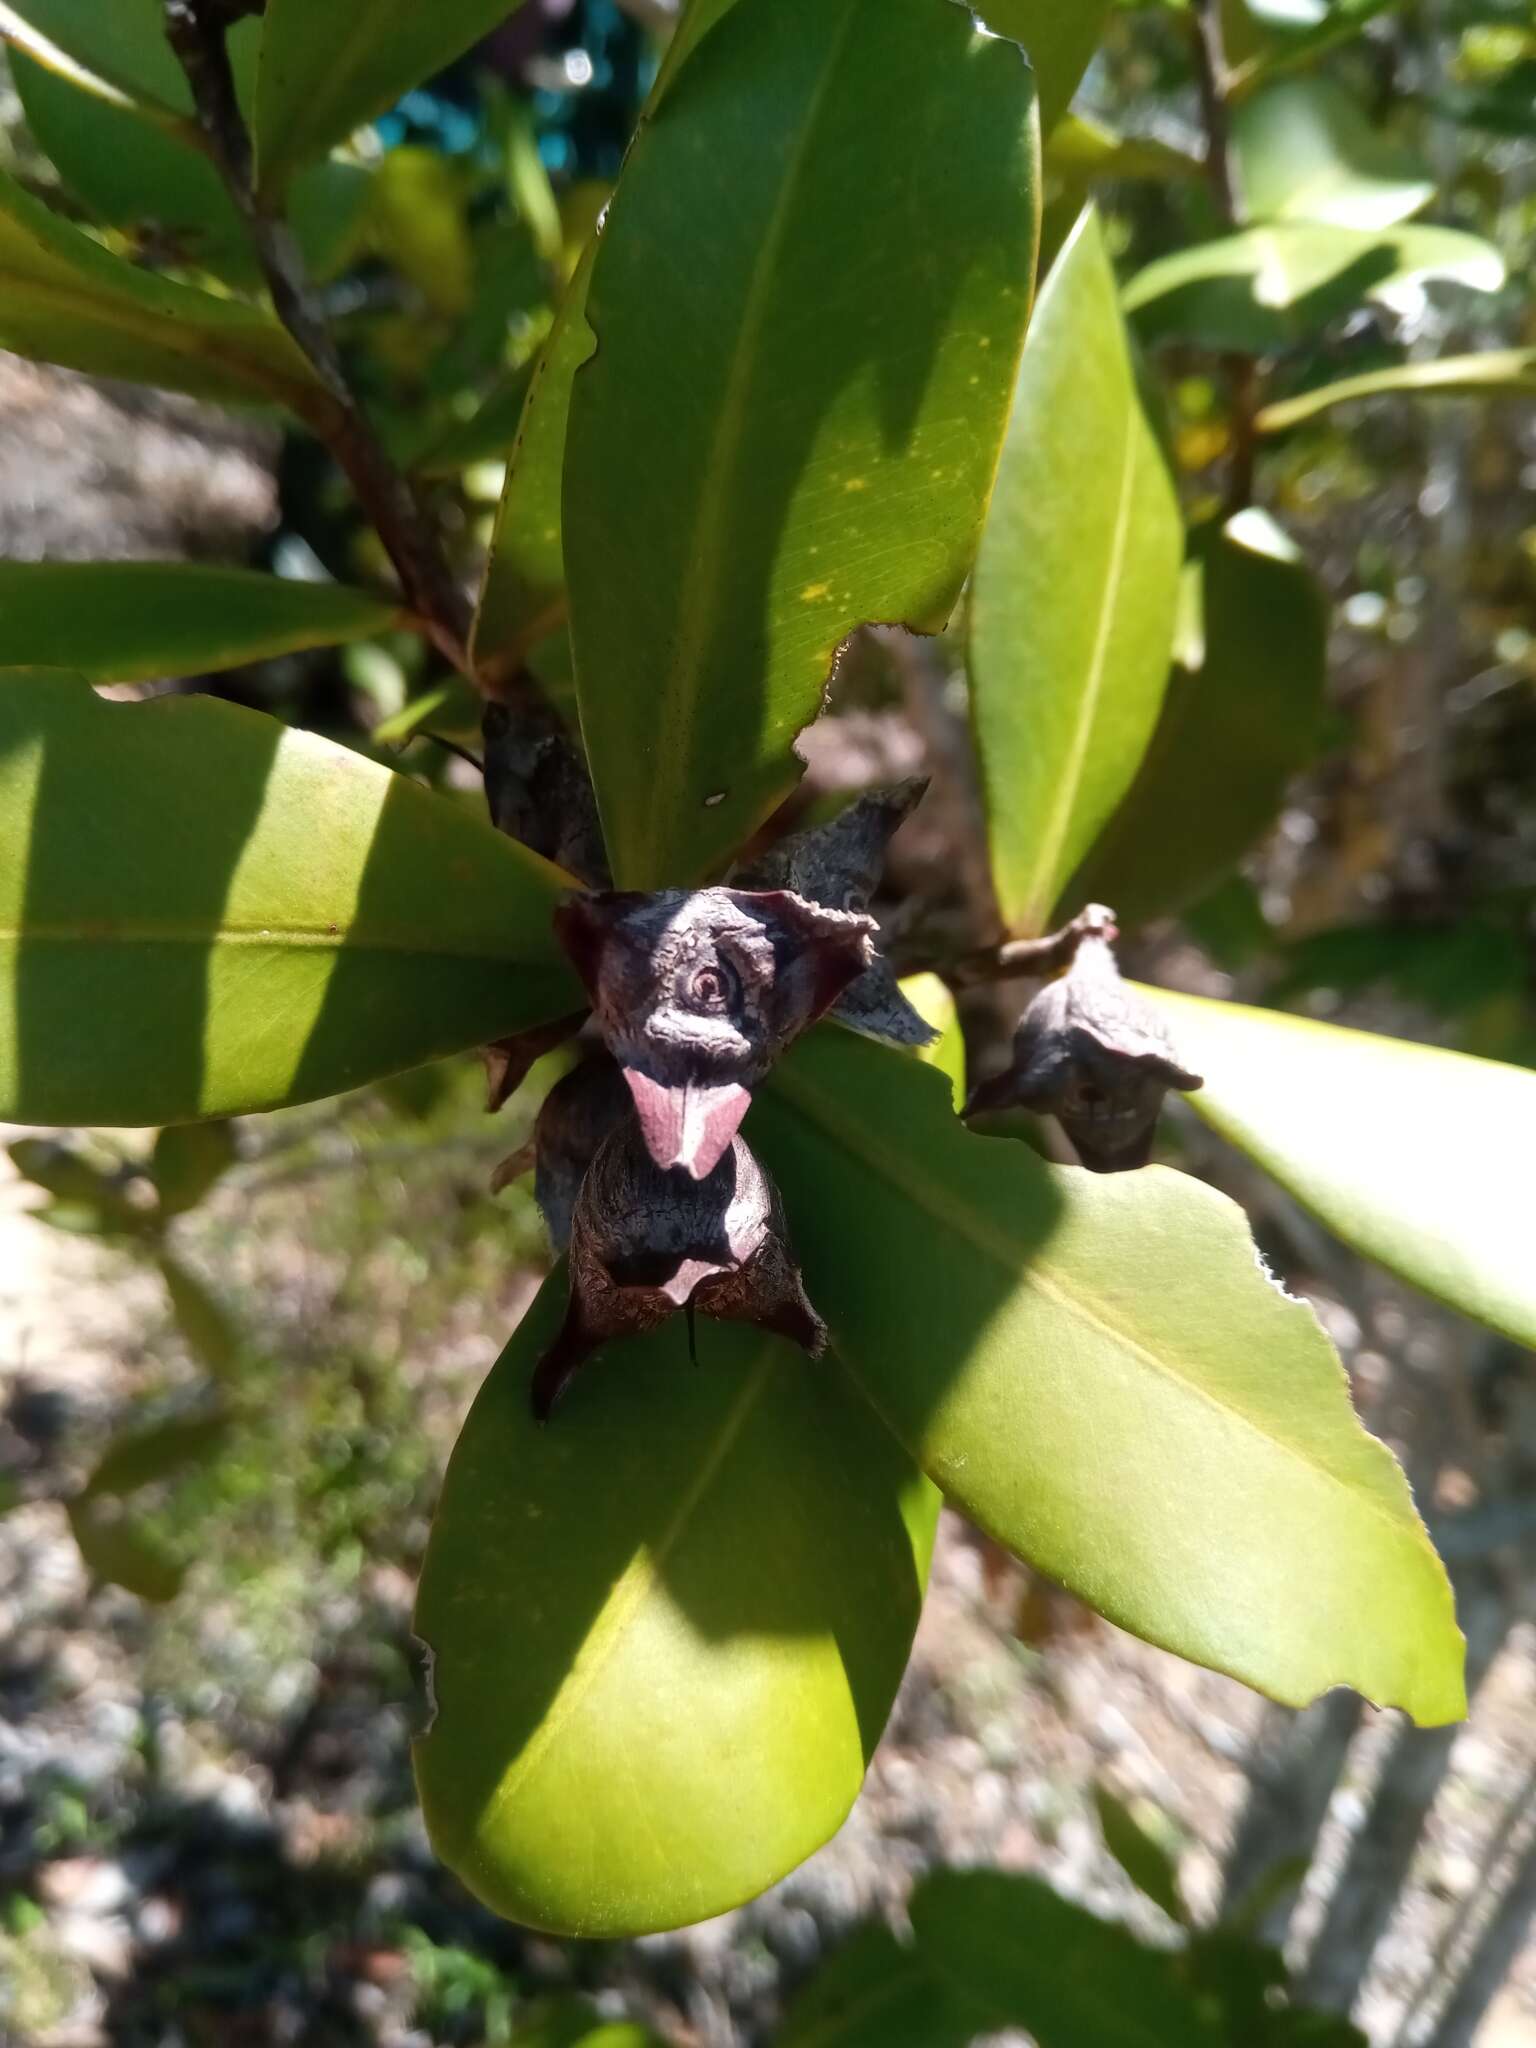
(673, 767)
(1074, 1302)
(91, 934)
(628, 1597)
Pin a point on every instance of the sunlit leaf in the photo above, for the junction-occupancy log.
(1108, 1382)
(934, 1003)
(1232, 732)
(795, 430)
(118, 52)
(1042, 1963)
(126, 621)
(327, 66)
(1401, 1149)
(1072, 603)
(65, 299)
(1305, 152)
(203, 912)
(1271, 287)
(1060, 41)
(1493, 373)
(666, 1630)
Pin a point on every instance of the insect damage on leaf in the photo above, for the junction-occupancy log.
(646, 1242)
(1090, 1052)
(696, 993)
(839, 865)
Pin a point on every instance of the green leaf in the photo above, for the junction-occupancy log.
(65, 299)
(329, 66)
(186, 1162)
(128, 621)
(1232, 733)
(1493, 373)
(61, 1172)
(878, 1992)
(1272, 287)
(144, 1457)
(1400, 1149)
(796, 430)
(1072, 603)
(1142, 1851)
(117, 52)
(118, 1550)
(666, 1630)
(524, 592)
(1305, 152)
(490, 431)
(1060, 42)
(1082, 148)
(1098, 1371)
(934, 1003)
(1074, 1981)
(202, 912)
(207, 1329)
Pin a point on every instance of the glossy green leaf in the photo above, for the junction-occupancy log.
(1493, 373)
(144, 1457)
(202, 912)
(1305, 152)
(1144, 1855)
(207, 1329)
(1060, 42)
(666, 1630)
(188, 1160)
(1232, 733)
(1401, 1149)
(1271, 287)
(128, 621)
(490, 431)
(1082, 148)
(1072, 605)
(328, 66)
(878, 1992)
(524, 592)
(119, 1550)
(1097, 1370)
(116, 52)
(1071, 1979)
(796, 430)
(65, 299)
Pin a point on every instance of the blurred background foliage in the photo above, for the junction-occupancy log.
(233, 1357)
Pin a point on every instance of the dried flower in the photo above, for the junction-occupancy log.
(647, 1242)
(696, 993)
(1090, 1052)
(839, 865)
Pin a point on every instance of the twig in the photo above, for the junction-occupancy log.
(195, 30)
(1215, 81)
(1015, 959)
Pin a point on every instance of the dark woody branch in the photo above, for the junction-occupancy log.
(1214, 80)
(1021, 959)
(196, 31)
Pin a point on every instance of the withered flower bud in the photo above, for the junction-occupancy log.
(1093, 1054)
(839, 865)
(696, 993)
(646, 1242)
(579, 1112)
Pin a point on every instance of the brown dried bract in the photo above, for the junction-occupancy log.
(1090, 1052)
(839, 865)
(696, 993)
(646, 1242)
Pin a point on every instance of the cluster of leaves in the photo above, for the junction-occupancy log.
(751, 429)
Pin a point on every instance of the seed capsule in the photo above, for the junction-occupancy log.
(696, 993)
(647, 1242)
(1090, 1052)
